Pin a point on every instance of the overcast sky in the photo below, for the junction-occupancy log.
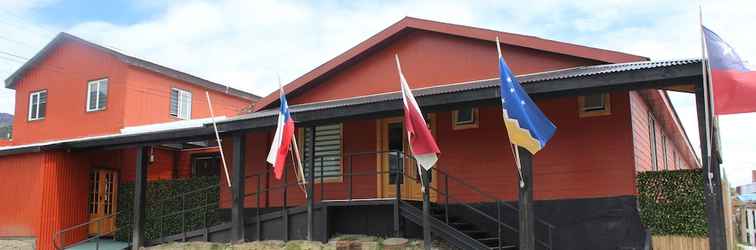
(246, 43)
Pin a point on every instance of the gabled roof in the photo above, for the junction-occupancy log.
(130, 60)
(410, 23)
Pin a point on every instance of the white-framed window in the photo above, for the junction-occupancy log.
(465, 118)
(37, 105)
(327, 151)
(664, 151)
(652, 141)
(97, 95)
(181, 104)
(594, 105)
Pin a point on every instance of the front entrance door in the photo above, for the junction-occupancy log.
(103, 195)
(393, 137)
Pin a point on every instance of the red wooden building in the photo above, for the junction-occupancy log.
(611, 110)
(74, 90)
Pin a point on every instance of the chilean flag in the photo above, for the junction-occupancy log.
(282, 139)
(734, 84)
(422, 143)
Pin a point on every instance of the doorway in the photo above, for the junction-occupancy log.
(103, 201)
(392, 137)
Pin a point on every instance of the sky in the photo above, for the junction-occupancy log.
(246, 44)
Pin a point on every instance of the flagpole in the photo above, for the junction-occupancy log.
(706, 73)
(515, 152)
(217, 137)
(295, 147)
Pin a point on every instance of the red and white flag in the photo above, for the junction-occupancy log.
(282, 140)
(422, 143)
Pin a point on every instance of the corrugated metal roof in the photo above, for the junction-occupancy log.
(473, 85)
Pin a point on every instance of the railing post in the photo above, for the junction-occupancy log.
(426, 207)
(183, 217)
(446, 197)
(351, 180)
(398, 193)
(204, 216)
(498, 222)
(140, 186)
(257, 210)
(237, 188)
(284, 210)
(162, 219)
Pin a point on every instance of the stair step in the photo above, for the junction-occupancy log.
(503, 247)
(461, 225)
(473, 233)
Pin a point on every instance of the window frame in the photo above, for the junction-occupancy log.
(652, 142)
(301, 144)
(29, 109)
(466, 125)
(665, 151)
(178, 104)
(607, 110)
(98, 82)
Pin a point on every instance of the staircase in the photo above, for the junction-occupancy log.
(491, 241)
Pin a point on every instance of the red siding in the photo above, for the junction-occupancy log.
(676, 148)
(22, 187)
(148, 99)
(428, 59)
(64, 74)
(135, 96)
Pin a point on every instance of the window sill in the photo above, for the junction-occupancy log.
(584, 114)
(96, 110)
(35, 120)
(465, 126)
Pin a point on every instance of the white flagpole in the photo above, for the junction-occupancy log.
(515, 151)
(706, 72)
(419, 169)
(217, 138)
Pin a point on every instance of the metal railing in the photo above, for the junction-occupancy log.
(59, 237)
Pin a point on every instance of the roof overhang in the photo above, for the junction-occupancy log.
(62, 37)
(568, 82)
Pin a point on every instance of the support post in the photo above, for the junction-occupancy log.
(713, 190)
(311, 184)
(424, 174)
(398, 177)
(140, 186)
(525, 203)
(237, 189)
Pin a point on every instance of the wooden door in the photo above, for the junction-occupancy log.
(103, 200)
(392, 137)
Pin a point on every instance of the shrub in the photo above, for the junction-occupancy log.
(673, 202)
(163, 202)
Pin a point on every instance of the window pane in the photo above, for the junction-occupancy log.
(33, 102)
(102, 99)
(593, 102)
(465, 116)
(92, 88)
(174, 102)
(42, 110)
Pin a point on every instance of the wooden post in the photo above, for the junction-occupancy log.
(525, 204)
(426, 208)
(713, 185)
(398, 177)
(311, 185)
(237, 189)
(140, 186)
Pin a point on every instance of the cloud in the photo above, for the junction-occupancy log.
(247, 44)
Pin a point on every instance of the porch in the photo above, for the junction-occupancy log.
(378, 177)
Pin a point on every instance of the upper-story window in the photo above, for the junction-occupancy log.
(465, 118)
(37, 105)
(97, 95)
(181, 104)
(594, 105)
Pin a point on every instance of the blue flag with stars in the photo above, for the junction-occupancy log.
(527, 126)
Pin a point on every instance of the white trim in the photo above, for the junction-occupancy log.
(98, 84)
(183, 104)
(31, 104)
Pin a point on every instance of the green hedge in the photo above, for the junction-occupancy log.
(673, 202)
(162, 198)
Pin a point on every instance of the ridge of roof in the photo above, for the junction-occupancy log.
(13, 79)
(405, 23)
